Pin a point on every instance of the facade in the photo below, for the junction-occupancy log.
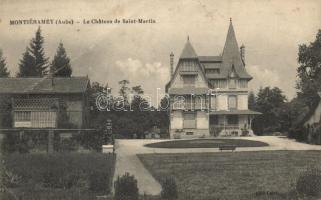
(45, 102)
(209, 94)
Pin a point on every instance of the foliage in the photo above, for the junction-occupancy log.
(3, 69)
(137, 116)
(206, 143)
(251, 100)
(272, 104)
(126, 188)
(34, 63)
(169, 189)
(309, 71)
(309, 183)
(87, 172)
(60, 66)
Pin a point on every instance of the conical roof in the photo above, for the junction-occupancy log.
(231, 54)
(188, 51)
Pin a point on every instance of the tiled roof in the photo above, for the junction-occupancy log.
(231, 56)
(210, 58)
(188, 51)
(43, 85)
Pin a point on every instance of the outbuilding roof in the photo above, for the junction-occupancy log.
(43, 85)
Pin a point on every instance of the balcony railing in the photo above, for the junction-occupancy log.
(190, 106)
(227, 126)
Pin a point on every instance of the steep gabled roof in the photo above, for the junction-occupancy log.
(188, 51)
(231, 56)
(43, 85)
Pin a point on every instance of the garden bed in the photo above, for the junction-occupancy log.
(206, 143)
(58, 176)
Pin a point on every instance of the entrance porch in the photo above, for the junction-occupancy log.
(231, 123)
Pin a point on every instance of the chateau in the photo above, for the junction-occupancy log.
(209, 94)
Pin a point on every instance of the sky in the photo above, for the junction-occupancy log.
(271, 31)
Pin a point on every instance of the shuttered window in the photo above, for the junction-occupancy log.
(232, 102)
(189, 120)
(22, 116)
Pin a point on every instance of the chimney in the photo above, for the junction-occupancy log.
(242, 52)
(51, 76)
(172, 65)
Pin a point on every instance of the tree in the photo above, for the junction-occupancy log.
(60, 65)
(37, 51)
(34, 62)
(309, 71)
(271, 103)
(27, 66)
(251, 101)
(124, 90)
(3, 69)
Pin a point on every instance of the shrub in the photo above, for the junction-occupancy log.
(309, 183)
(126, 188)
(90, 172)
(169, 189)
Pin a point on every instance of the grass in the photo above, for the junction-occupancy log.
(239, 175)
(206, 143)
(58, 175)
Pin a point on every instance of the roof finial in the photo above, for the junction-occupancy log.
(187, 37)
(230, 19)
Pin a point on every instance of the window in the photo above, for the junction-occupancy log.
(232, 120)
(243, 83)
(213, 102)
(189, 80)
(232, 102)
(189, 120)
(213, 120)
(218, 83)
(22, 116)
(232, 83)
(179, 102)
(189, 66)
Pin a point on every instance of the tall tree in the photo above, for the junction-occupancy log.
(27, 65)
(34, 62)
(309, 71)
(3, 69)
(60, 65)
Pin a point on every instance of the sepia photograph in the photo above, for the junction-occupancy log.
(160, 99)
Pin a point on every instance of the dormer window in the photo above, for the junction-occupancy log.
(189, 80)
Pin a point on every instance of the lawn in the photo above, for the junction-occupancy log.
(206, 143)
(238, 175)
(57, 176)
